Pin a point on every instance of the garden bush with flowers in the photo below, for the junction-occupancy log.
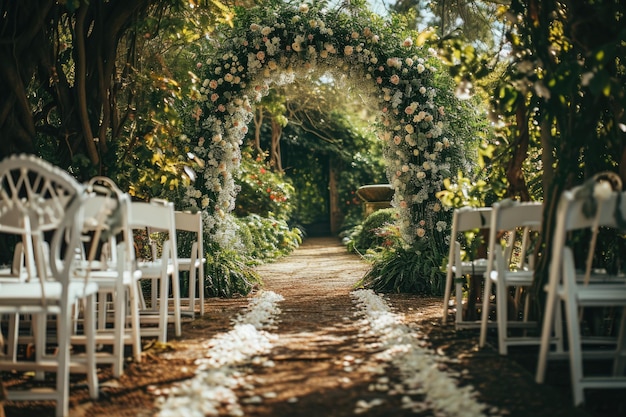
(419, 122)
(262, 190)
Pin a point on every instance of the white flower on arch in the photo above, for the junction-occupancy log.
(274, 49)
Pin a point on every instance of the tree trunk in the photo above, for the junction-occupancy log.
(258, 122)
(514, 170)
(35, 56)
(336, 215)
(275, 157)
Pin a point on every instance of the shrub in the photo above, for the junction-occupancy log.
(262, 190)
(227, 274)
(375, 231)
(404, 270)
(266, 238)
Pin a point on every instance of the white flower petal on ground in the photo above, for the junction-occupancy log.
(212, 387)
(417, 365)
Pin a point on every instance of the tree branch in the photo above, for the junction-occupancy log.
(81, 91)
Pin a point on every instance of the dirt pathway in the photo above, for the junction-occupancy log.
(319, 352)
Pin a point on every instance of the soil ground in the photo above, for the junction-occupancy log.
(316, 332)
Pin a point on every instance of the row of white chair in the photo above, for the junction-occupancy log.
(509, 266)
(508, 263)
(88, 277)
(574, 287)
(37, 199)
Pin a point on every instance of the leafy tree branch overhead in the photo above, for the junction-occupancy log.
(76, 77)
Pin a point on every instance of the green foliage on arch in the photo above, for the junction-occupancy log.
(383, 60)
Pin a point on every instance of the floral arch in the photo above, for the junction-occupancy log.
(275, 44)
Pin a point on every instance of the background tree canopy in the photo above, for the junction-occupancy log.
(103, 87)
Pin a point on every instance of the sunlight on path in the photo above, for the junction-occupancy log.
(211, 390)
(335, 346)
(333, 350)
(418, 366)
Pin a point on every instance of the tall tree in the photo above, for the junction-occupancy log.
(78, 75)
(66, 55)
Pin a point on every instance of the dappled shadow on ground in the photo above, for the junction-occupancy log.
(324, 365)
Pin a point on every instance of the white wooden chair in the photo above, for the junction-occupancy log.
(576, 289)
(193, 264)
(464, 220)
(36, 197)
(161, 271)
(508, 272)
(109, 262)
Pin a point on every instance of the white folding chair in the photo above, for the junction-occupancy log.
(193, 264)
(576, 289)
(109, 262)
(516, 220)
(161, 271)
(464, 220)
(38, 198)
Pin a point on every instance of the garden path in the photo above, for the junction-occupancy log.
(324, 363)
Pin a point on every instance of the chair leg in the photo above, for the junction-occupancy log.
(134, 324)
(39, 333)
(446, 295)
(12, 336)
(485, 313)
(63, 357)
(201, 287)
(549, 319)
(102, 309)
(575, 353)
(192, 290)
(141, 298)
(163, 309)
(119, 331)
(177, 309)
(619, 362)
(502, 317)
(459, 300)
(154, 296)
(90, 348)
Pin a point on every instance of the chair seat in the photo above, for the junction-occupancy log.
(601, 278)
(514, 278)
(108, 279)
(30, 294)
(602, 295)
(7, 276)
(598, 294)
(476, 263)
(184, 264)
(152, 269)
(477, 267)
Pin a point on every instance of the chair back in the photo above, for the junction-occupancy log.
(469, 218)
(463, 220)
(107, 211)
(579, 209)
(515, 219)
(37, 197)
(187, 221)
(578, 212)
(156, 216)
